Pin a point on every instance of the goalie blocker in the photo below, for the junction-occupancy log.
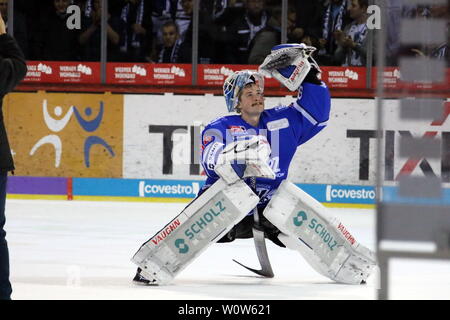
(202, 223)
(325, 243)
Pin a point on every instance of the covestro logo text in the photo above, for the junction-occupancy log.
(148, 189)
(348, 193)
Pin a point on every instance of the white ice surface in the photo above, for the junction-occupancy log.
(81, 250)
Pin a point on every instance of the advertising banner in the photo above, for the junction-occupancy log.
(62, 72)
(215, 74)
(392, 80)
(66, 135)
(212, 75)
(157, 137)
(164, 143)
(149, 73)
(108, 189)
(137, 188)
(37, 186)
(344, 77)
(335, 77)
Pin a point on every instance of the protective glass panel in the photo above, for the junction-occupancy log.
(48, 30)
(131, 32)
(413, 176)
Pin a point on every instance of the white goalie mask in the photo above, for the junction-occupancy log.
(236, 82)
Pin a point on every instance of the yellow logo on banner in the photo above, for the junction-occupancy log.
(68, 135)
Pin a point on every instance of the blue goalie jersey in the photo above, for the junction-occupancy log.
(286, 128)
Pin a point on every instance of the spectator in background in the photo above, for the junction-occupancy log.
(171, 43)
(308, 16)
(294, 33)
(439, 50)
(243, 30)
(4, 11)
(304, 24)
(183, 15)
(20, 26)
(223, 13)
(136, 36)
(270, 35)
(334, 19)
(266, 38)
(216, 8)
(312, 42)
(394, 15)
(352, 42)
(90, 34)
(114, 6)
(161, 12)
(205, 36)
(87, 6)
(12, 70)
(33, 12)
(58, 42)
(397, 10)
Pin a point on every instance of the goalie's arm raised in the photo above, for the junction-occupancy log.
(312, 108)
(308, 114)
(293, 66)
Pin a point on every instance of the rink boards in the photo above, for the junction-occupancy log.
(104, 189)
(146, 147)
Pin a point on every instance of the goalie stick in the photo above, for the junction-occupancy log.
(260, 244)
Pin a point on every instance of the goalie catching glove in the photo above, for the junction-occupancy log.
(247, 157)
(291, 64)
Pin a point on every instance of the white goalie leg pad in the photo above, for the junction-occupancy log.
(202, 223)
(323, 241)
(314, 261)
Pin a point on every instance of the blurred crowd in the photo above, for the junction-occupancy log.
(230, 31)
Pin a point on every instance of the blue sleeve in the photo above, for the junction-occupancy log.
(213, 142)
(312, 110)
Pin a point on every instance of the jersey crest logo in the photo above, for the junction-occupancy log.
(207, 139)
